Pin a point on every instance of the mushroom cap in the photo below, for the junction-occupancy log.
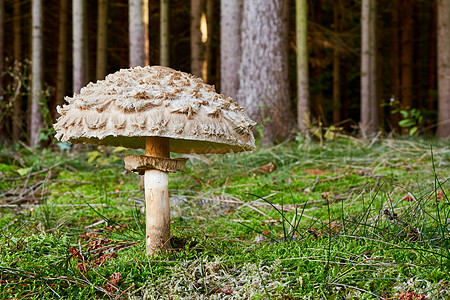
(136, 103)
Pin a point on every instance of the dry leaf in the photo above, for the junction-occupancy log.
(81, 265)
(197, 180)
(315, 172)
(226, 290)
(85, 236)
(75, 253)
(409, 197)
(102, 258)
(113, 280)
(411, 296)
(439, 194)
(267, 168)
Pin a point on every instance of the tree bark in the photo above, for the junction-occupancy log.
(2, 66)
(37, 72)
(394, 63)
(443, 59)
(379, 61)
(263, 73)
(317, 98)
(79, 45)
(138, 29)
(336, 71)
(432, 53)
(208, 60)
(406, 57)
(61, 69)
(102, 58)
(344, 92)
(369, 99)
(230, 50)
(17, 28)
(301, 21)
(18, 118)
(164, 34)
(196, 38)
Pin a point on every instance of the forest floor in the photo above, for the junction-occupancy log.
(346, 219)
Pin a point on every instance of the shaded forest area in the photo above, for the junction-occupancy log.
(406, 58)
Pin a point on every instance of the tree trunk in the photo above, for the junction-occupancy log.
(17, 28)
(2, 66)
(344, 93)
(443, 59)
(263, 73)
(301, 22)
(230, 34)
(394, 63)
(18, 118)
(369, 99)
(37, 72)
(79, 45)
(102, 58)
(61, 69)
(432, 52)
(208, 61)
(406, 57)
(196, 38)
(318, 66)
(336, 72)
(164, 34)
(379, 61)
(138, 28)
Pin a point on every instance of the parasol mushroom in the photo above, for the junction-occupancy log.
(160, 110)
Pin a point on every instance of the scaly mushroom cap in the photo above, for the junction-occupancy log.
(132, 104)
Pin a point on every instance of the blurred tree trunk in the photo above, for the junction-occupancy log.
(164, 33)
(369, 99)
(344, 93)
(394, 62)
(406, 56)
(230, 34)
(102, 58)
(17, 27)
(301, 28)
(432, 52)
(431, 71)
(37, 122)
(336, 69)
(209, 42)
(318, 66)
(138, 29)
(17, 120)
(380, 62)
(196, 38)
(263, 74)
(443, 62)
(79, 45)
(61, 69)
(2, 66)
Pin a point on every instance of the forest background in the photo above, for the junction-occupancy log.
(360, 66)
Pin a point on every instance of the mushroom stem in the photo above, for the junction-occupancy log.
(157, 208)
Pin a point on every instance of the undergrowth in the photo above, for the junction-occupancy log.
(346, 219)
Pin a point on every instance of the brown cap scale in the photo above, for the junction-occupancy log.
(160, 110)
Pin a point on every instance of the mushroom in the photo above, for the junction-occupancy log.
(161, 110)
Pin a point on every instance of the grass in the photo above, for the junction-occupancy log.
(345, 219)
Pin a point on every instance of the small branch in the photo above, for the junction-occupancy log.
(356, 288)
(315, 183)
